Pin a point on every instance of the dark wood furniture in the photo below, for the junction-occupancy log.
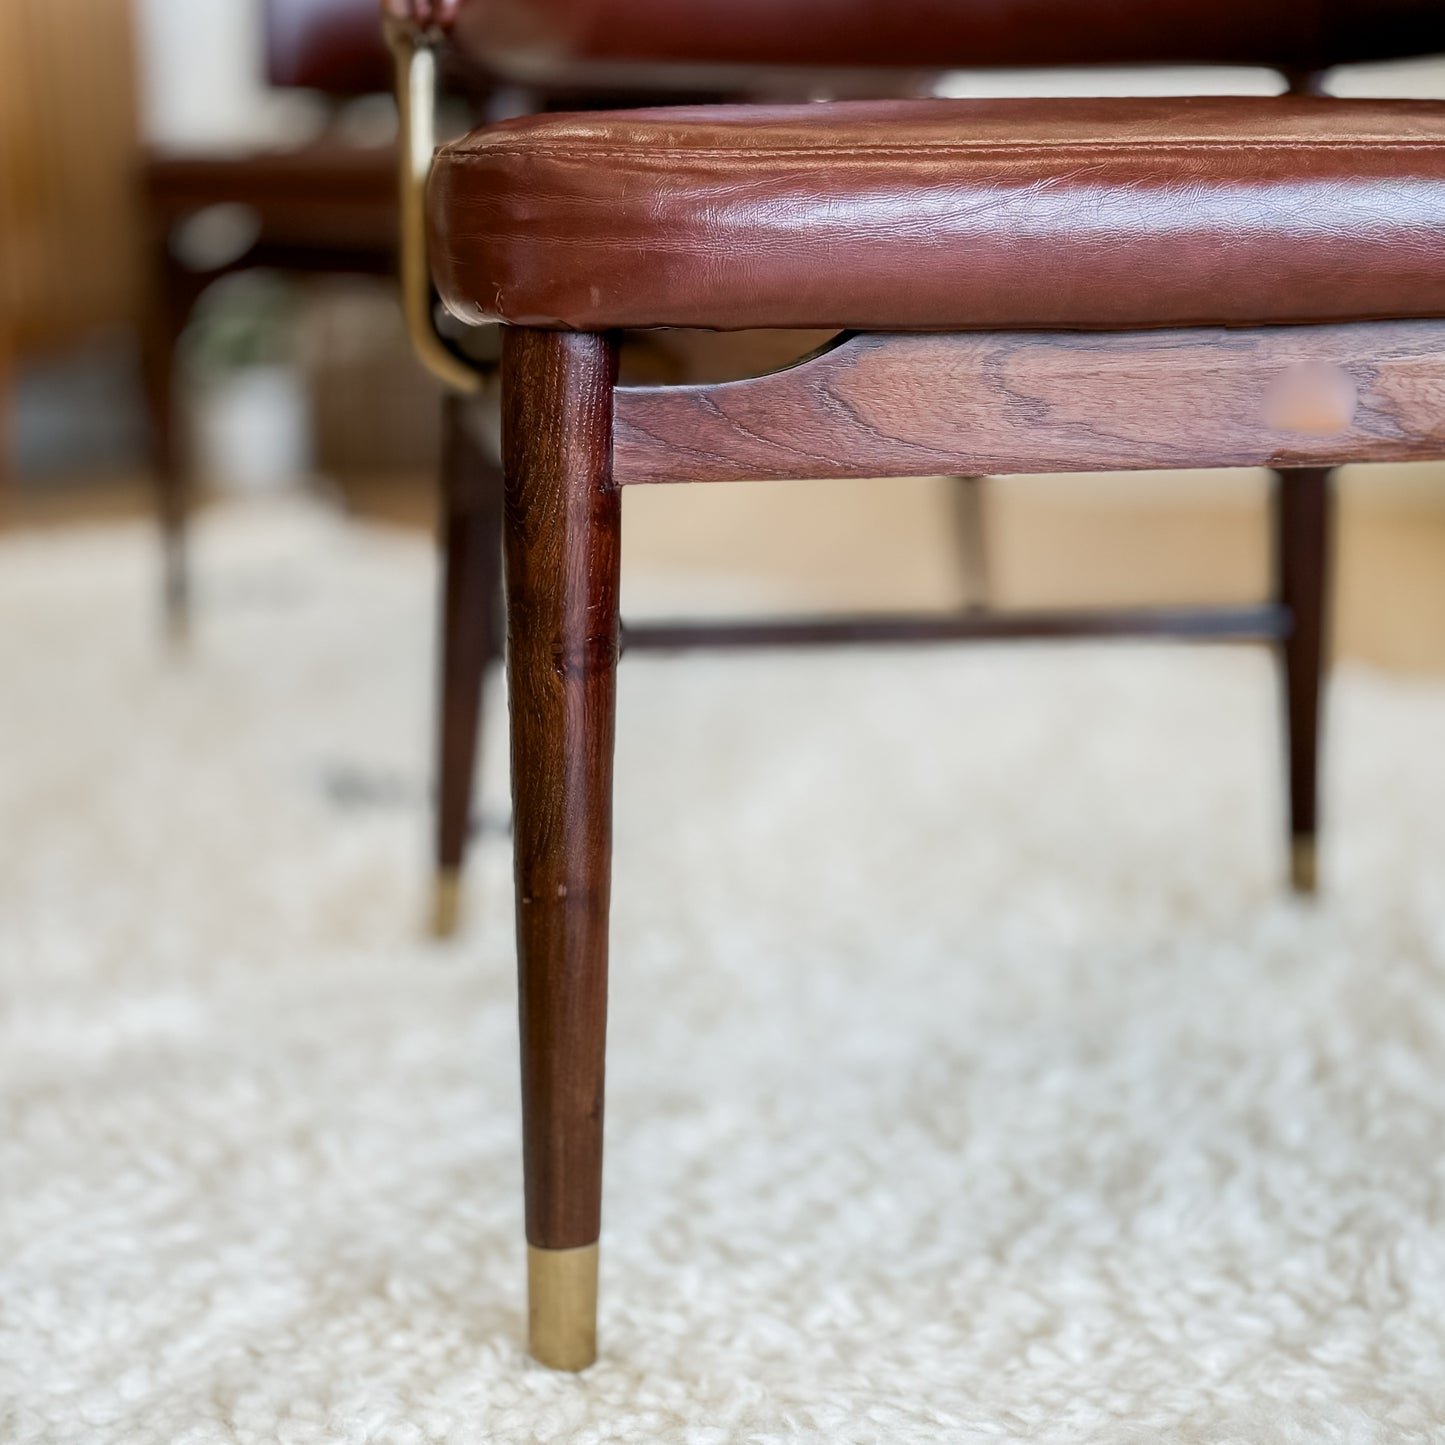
(323, 208)
(1018, 287)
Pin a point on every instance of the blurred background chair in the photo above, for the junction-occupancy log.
(325, 206)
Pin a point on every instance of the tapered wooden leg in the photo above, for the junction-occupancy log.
(970, 516)
(7, 362)
(174, 295)
(176, 584)
(1302, 544)
(563, 538)
(471, 623)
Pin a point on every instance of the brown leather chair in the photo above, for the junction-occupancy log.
(1027, 286)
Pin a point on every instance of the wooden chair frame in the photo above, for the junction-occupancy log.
(1301, 400)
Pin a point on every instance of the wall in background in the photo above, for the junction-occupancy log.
(67, 170)
(202, 76)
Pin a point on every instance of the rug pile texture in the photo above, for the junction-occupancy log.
(972, 1078)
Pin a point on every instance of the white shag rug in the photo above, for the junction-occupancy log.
(972, 1079)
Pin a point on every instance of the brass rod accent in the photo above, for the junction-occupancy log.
(416, 72)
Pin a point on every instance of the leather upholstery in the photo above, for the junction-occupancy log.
(935, 34)
(330, 45)
(422, 14)
(938, 214)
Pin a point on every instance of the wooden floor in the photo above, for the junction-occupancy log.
(1146, 537)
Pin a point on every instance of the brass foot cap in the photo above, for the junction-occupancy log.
(446, 905)
(562, 1306)
(1303, 866)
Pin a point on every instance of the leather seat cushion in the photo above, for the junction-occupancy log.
(937, 214)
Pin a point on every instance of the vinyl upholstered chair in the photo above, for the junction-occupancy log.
(1018, 286)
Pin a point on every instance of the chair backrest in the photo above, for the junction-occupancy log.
(334, 46)
(936, 34)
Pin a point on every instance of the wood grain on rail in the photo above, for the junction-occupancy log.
(1017, 402)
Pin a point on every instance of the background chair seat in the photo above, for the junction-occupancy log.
(1295, 34)
(322, 195)
(934, 214)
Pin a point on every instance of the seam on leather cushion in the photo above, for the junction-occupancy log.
(982, 148)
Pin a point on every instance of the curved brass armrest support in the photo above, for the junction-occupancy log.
(416, 102)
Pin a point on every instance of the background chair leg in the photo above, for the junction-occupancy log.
(563, 542)
(971, 527)
(1302, 546)
(166, 323)
(7, 363)
(471, 630)
(174, 518)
